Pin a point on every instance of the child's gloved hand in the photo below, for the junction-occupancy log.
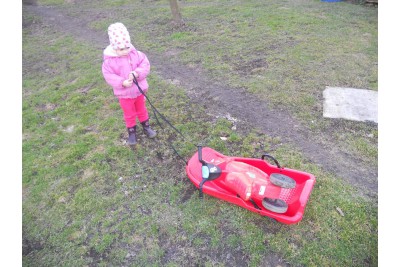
(133, 73)
(127, 83)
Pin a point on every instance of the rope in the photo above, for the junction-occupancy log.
(155, 112)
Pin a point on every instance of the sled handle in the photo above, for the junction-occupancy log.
(271, 157)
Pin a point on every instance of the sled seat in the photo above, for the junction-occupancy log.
(247, 181)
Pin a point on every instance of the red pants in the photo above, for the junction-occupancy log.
(134, 108)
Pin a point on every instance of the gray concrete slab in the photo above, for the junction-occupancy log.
(351, 104)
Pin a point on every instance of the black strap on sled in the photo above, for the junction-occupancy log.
(206, 180)
(209, 171)
(201, 187)
(271, 157)
(155, 112)
(210, 178)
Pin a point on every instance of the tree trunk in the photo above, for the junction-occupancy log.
(176, 14)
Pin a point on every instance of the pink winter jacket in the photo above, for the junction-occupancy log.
(116, 69)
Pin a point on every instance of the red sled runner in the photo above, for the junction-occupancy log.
(253, 184)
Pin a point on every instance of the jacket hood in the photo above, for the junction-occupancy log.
(110, 52)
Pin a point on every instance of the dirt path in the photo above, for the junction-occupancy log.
(220, 99)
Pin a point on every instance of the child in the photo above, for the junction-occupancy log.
(121, 62)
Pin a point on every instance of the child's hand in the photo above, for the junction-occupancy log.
(132, 74)
(127, 83)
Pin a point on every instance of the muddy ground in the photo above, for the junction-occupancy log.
(220, 99)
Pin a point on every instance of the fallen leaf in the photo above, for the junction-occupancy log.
(340, 211)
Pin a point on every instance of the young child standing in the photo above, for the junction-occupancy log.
(121, 62)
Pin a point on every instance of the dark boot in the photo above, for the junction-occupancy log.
(132, 136)
(147, 130)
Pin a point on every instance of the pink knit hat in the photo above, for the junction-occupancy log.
(119, 36)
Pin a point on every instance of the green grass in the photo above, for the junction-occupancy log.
(89, 200)
(285, 52)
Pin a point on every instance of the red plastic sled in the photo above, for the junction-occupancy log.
(253, 184)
